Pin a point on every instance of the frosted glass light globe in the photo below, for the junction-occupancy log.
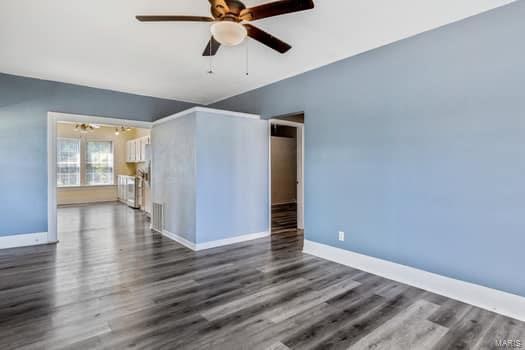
(228, 33)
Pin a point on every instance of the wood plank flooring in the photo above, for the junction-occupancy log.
(112, 284)
(284, 217)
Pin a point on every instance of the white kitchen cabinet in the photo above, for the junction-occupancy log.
(136, 150)
(134, 157)
(130, 190)
(130, 151)
(142, 148)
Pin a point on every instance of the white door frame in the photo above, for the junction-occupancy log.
(300, 129)
(52, 119)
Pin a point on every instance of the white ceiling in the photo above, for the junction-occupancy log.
(98, 43)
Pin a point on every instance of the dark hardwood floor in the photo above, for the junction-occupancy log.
(112, 284)
(284, 217)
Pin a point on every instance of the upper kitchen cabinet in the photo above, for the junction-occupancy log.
(136, 150)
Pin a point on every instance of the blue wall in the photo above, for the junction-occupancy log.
(24, 104)
(174, 173)
(232, 176)
(417, 149)
(211, 172)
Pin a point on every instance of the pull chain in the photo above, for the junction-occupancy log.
(247, 58)
(211, 58)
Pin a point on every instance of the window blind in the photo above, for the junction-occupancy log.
(68, 162)
(99, 163)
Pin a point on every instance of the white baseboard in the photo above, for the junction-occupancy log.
(23, 240)
(232, 240)
(179, 239)
(504, 303)
(214, 244)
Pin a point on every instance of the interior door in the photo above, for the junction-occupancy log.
(300, 175)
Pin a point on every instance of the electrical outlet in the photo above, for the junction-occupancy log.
(341, 236)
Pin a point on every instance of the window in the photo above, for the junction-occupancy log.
(84, 163)
(99, 163)
(68, 162)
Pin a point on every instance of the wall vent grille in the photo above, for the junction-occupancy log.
(157, 221)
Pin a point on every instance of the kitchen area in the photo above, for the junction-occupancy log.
(135, 190)
(102, 164)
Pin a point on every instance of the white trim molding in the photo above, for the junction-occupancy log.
(504, 303)
(179, 239)
(105, 121)
(300, 129)
(286, 122)
(23, 240)
(232, 240)
(214, 244)
(205, 110)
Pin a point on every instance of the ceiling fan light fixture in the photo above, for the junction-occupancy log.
(228, 33)
(85, 128)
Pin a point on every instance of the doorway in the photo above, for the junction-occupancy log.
(88, 160)
(286, 174)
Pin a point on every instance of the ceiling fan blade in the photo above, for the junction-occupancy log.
(219, 8)
(267, 39)
(212, 47)
(275, 9)
(174, 19)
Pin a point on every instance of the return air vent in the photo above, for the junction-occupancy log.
(157, 220)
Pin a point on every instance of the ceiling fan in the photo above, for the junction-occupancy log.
(85, 128)
(230, 25)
